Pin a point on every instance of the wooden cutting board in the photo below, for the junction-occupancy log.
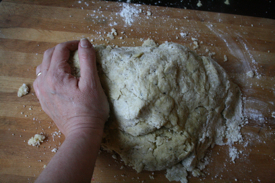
(28, 28)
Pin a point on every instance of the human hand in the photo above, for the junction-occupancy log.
(75, 105)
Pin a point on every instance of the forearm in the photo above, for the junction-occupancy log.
(75, 160)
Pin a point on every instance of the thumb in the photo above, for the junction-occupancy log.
(87, 61)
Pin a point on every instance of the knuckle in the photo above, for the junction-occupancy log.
(52, 82)
(35, 84)
(47, 52)
(38, 68)
(85, 56)
(60, 46)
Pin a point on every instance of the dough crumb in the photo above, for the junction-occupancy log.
(210, 54)
(273, 114)
(54, 150)
(250, 74)
(151, 177)
(114, 31)
(114, 156)
(23, 90)
(197, 173)
(196, 45)
(226, 2)
(177, 173)
(36, 140)
(110, 35)
(149, 43)
(183, 34)
(199, 4)
(149, 13)
(225, 58)
(44, 166)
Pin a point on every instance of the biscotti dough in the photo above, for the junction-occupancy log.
(36, 140)
(168, 106)
(23, 90)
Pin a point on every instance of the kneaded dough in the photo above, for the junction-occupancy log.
(168, 105)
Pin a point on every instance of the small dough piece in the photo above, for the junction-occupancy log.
(250, 74)
(149, 43)
(199, 4)
(23, 90)
(225, 58)
(36, 140)
(177, 173)
(226, 2)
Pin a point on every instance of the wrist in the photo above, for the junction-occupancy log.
(84, 126)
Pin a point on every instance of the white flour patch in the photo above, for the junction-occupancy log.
(232, 46)
(233, 153)
(128, 14)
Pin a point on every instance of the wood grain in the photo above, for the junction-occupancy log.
(29, 27)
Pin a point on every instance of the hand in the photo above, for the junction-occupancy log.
(75, 105)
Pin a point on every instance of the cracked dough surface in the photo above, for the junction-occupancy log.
(168, 105)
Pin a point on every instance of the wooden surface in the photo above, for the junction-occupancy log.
(30, 27)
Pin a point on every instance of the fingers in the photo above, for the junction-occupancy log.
(46, 61)
(38, 70)
(36, 89)
(87, 61)
(60, 56)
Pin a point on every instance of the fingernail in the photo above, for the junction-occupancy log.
(84, 43)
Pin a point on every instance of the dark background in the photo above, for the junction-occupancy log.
(256, 8)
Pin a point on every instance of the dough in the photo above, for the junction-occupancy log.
(36, 140)
(23, 90)
(168, 105)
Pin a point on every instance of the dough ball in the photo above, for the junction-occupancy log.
(167, 104)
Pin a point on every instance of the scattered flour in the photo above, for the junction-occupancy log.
(54, 134)
(177, 173)
(112, 34)
(128, 14)
(233, 153)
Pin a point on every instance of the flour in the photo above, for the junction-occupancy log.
(233, 153)
(128, 14)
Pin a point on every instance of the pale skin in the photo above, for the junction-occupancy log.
(78, 107)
